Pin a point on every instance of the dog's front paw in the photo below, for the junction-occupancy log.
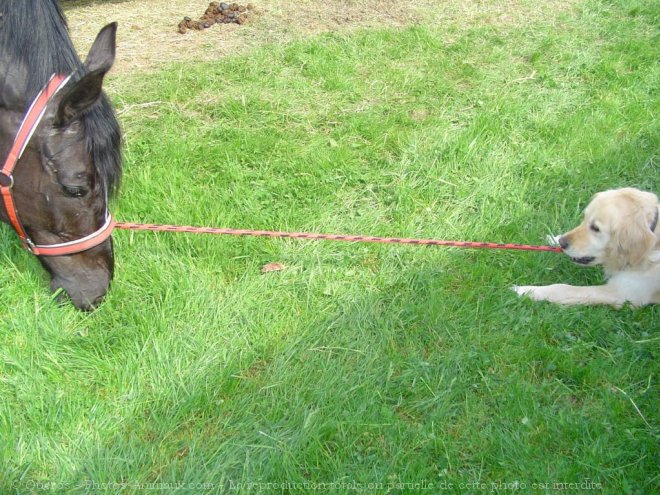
(526, 290)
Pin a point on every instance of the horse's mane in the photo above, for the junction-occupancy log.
(35, 32)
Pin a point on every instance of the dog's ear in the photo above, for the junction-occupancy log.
(633, 240)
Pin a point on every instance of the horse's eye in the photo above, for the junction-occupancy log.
(75, 191)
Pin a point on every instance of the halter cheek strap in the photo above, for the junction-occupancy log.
(29, 124)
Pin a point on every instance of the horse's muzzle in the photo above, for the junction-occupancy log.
(85, 297)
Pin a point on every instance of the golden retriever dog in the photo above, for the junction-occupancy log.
(620, 231)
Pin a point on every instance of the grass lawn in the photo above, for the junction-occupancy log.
(356, 368)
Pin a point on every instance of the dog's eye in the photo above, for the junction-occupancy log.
(594, 227)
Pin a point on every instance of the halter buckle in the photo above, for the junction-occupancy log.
(29, 245)
(6, 180)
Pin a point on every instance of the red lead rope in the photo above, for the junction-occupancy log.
(31, 121)
(330, 237)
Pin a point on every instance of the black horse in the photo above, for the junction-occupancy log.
(72, 163)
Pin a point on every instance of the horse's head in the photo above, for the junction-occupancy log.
(59, 191)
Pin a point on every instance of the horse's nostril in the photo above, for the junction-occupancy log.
(87, 305)
(97, 302)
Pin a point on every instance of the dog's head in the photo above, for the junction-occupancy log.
(618, 231)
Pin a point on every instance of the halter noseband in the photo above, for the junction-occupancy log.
(29, 124)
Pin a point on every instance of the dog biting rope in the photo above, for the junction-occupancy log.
(330, 237)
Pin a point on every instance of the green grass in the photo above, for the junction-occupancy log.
(357, 364)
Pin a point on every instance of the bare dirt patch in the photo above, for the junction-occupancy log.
(148, 31)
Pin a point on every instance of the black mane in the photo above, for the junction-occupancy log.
(35, 32)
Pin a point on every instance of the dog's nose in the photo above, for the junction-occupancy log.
(563, 243)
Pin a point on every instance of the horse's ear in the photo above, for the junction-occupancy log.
(102, 53)
(87, 90)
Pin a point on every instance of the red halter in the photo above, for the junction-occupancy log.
(25, 131)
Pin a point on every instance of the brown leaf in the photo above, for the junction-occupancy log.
(272, 267)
